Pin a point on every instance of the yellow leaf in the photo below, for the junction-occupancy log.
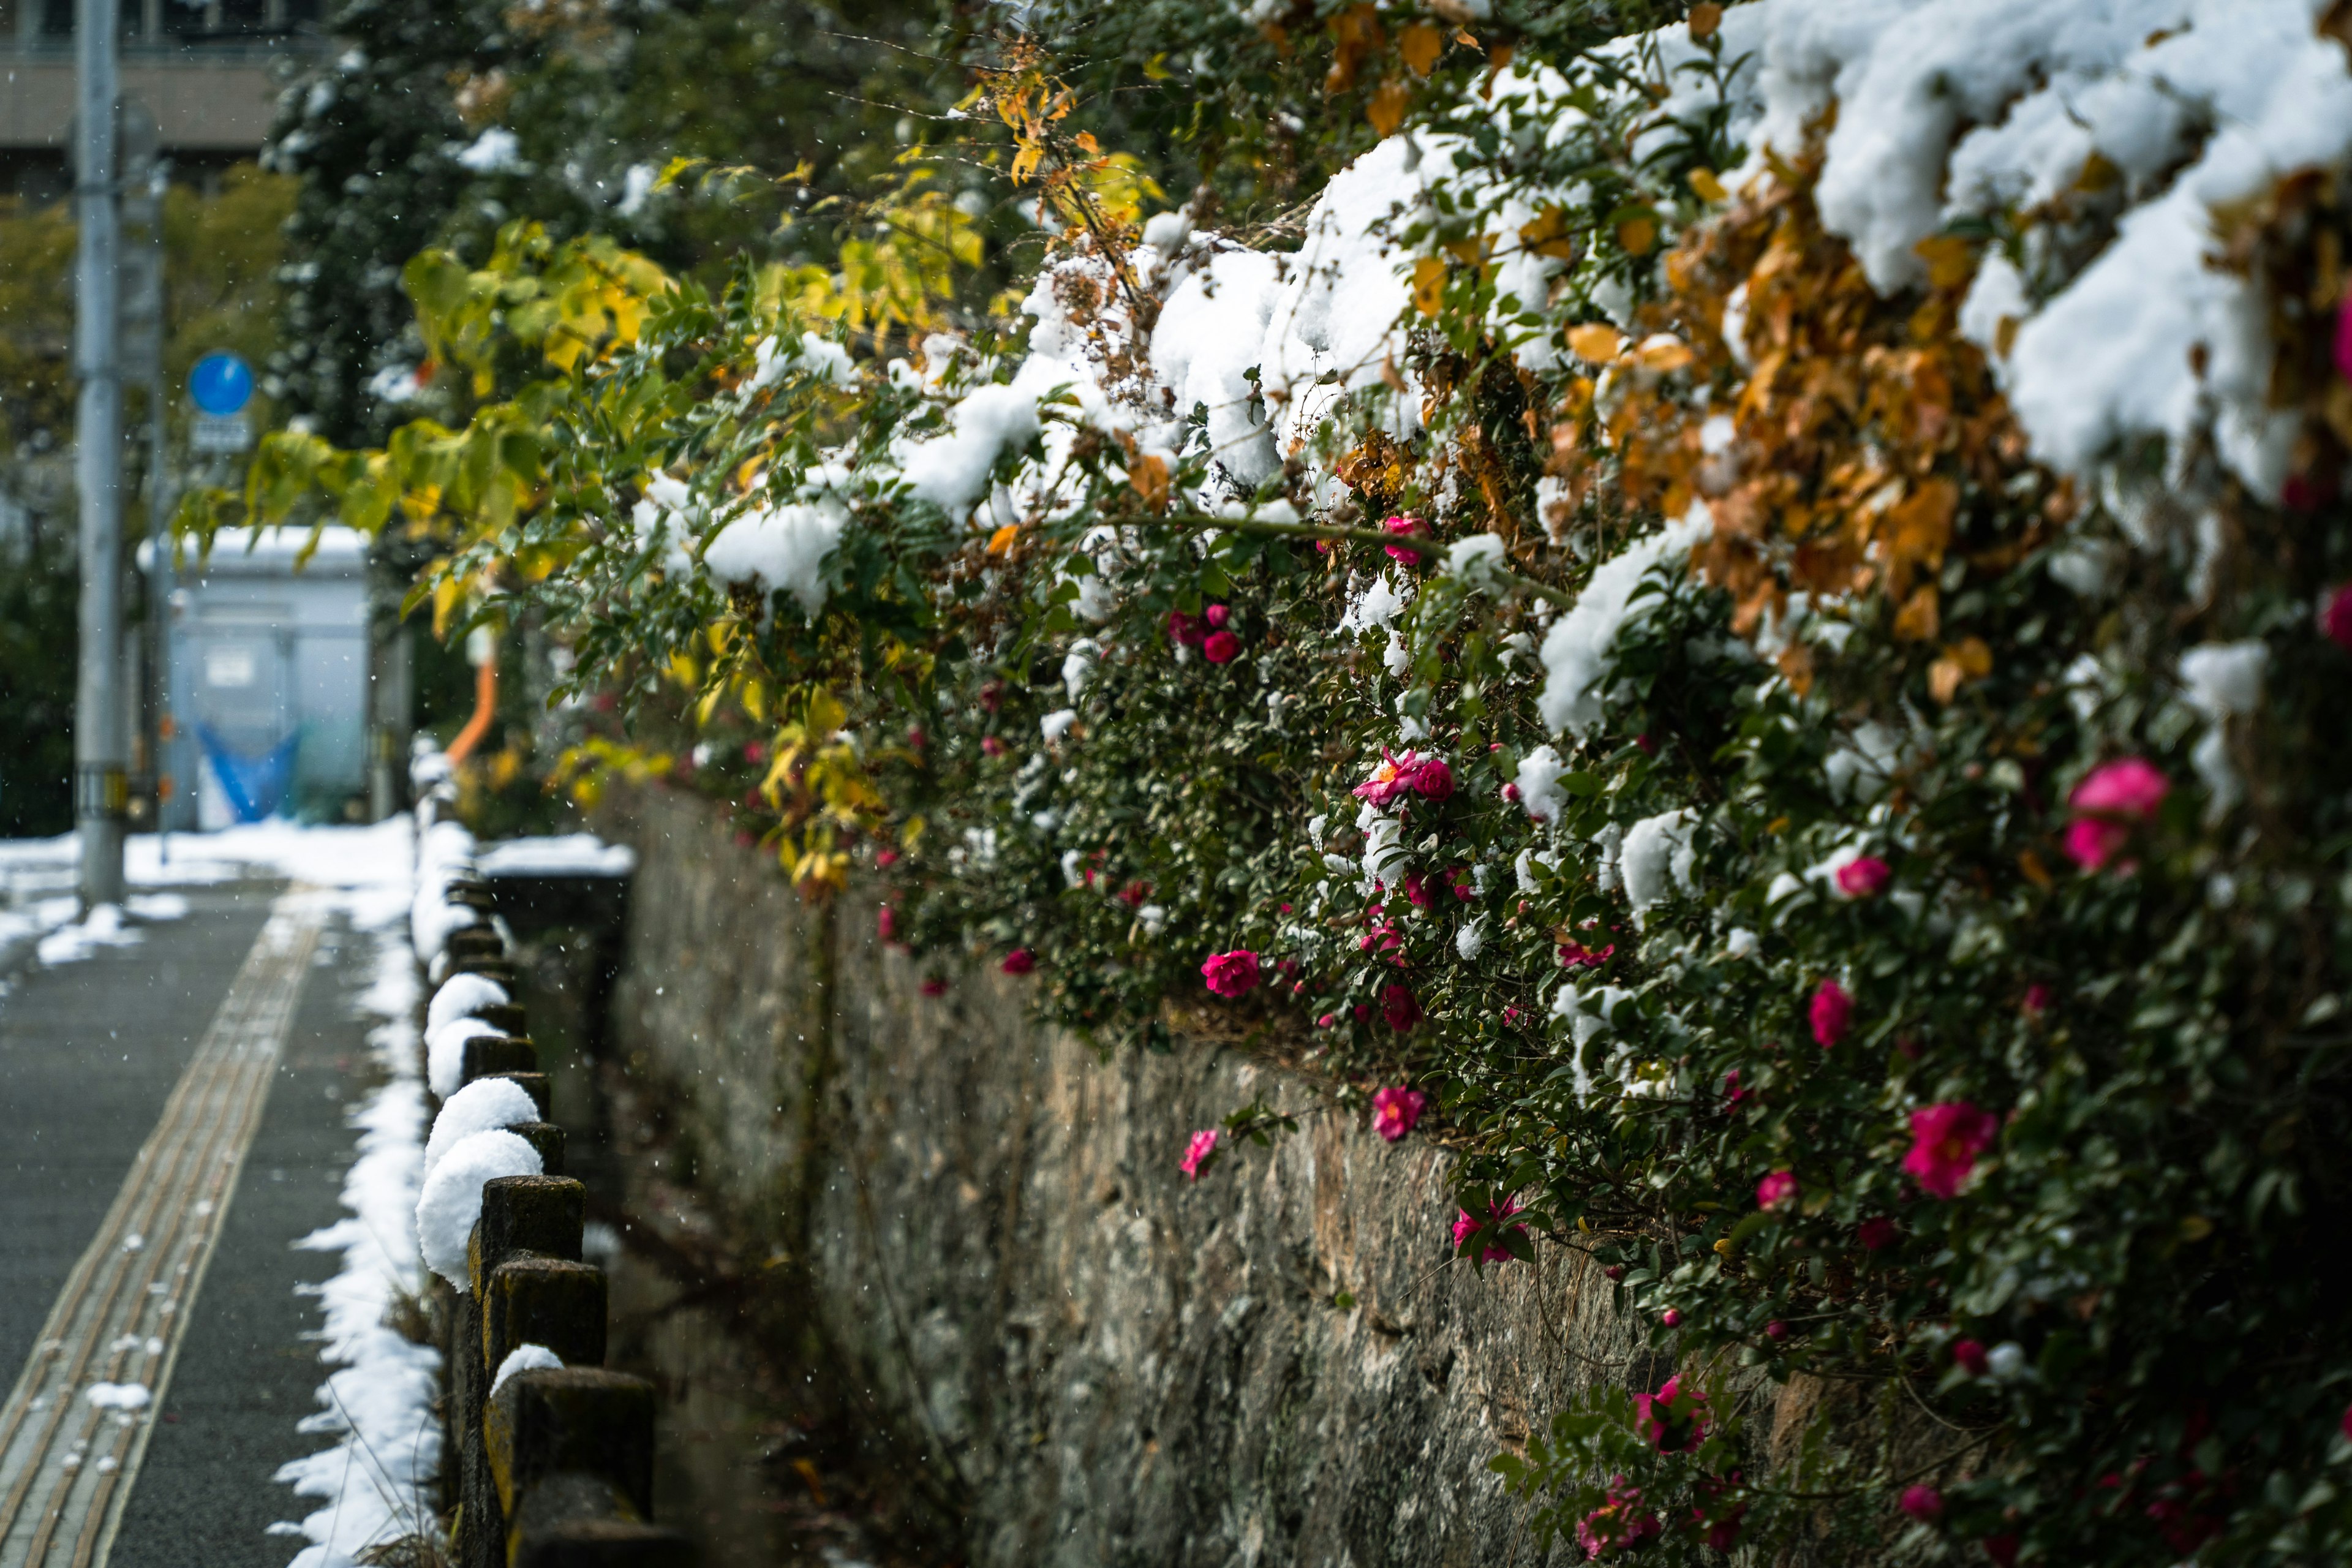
(1595, 341)
(1548, 234)
(1919, 617)
(1001, 540)
(1156, 68)
(1428, 285)
(1664, 354)
(1704, 18)
(1420, 44)
(1637, 235)
(1950, 259)
(1386, 109)
(1708, 188)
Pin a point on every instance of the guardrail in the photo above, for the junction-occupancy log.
(553, 1453)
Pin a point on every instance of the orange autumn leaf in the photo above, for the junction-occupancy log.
(1595, 341)
(1386, 106)
(1421, 44)
(1428, 285)
(1149, 475)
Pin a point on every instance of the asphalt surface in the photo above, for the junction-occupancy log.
(89, 1053)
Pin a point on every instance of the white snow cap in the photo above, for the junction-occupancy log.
(444, 1054)
(476, 1108)
(780, 547)
(1539, 782)
(2221, 681)
(459, 997)
(1656, 848)
(452, 1198)
(1581, 645)
(525, 1358)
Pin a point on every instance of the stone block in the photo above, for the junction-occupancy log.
(544, 1301)
(579, 1420)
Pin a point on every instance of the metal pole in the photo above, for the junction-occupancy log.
(100, 734)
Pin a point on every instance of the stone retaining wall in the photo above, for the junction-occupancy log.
(1110, 1364)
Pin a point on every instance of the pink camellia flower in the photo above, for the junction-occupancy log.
(1399, 1006)
(1433, 780)
(1020, 961)
(2038, 998)
(1576, 955)
(1945, 1141)
(1327, 1020)
(1876, 1233)
(1185, 631)
(1776, 1330)
(990, 746)
(1778, 1188)
(1969, 1357)
(886, 858)
(1924, 1504)
(1511, 793)
(885, 923)
(935, 986)
(1732, 1093)
(1671, 1317)
(1395, 1110)
(1216, 616)
(1832, 1010)
(1402, 525)
(1219, 647)
(755, 752)
(1863, 877)
(1673, 1420)
(1417, 890)
(1230, 974)
(1621, 1522)
(1463, 1224)
(1393, 778)
(2336, 619)
(2116, 798)
(1197, 1153)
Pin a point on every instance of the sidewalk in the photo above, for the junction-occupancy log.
(177, 1111)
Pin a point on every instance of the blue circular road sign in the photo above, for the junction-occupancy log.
(221, 384)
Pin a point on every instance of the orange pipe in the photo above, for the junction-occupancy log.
(486, 705)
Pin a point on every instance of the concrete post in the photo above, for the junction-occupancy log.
(100, 732)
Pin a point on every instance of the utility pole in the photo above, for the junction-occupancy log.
(101, 787)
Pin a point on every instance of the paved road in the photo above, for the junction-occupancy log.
(99, 1061)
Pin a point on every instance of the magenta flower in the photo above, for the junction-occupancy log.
(990, 746)
(2345, 1427)
(885, 924)
(2116, 798)
(1230, 974)
(1671, 1317)
(1463, 1224)
(1864, 877)
(1219, 647)
(1776, 1330)
(1576, 955)
(1393, 778)
(1876, 1233)
(1395, 1110)
(1969, 1357)
(1020, 961)
(1778, 1188)
(2038, 998)
(1924, 1504)
(1433, 780)
(1945, 1141)
(1399, 1007)
(1185, 631)
(1832, 1010)
(2336, 619)
(935, 986)
(1402, 525)
(1673, 1420)
(1216, 616)
(1198, 1152)
(1620, 1521)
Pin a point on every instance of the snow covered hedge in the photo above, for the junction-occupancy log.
(1754, 609)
